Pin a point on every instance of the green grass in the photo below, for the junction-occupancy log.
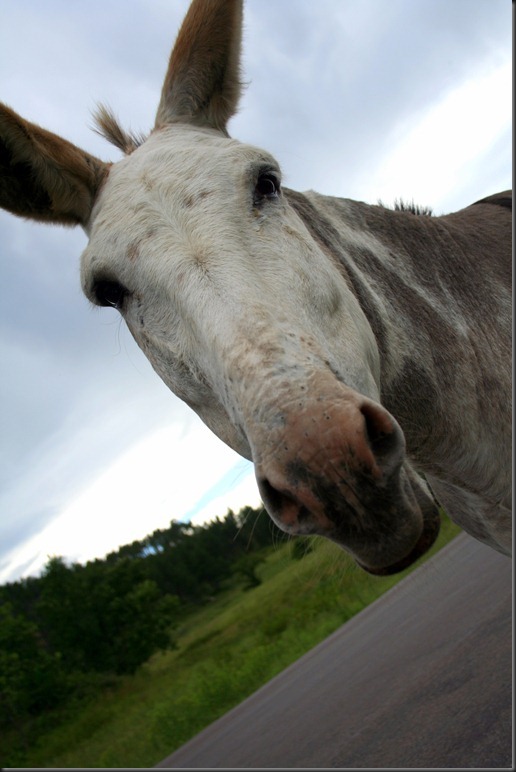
(225, 652)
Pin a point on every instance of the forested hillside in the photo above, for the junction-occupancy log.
(68, 632)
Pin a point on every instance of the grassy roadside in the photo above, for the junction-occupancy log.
(225, 652)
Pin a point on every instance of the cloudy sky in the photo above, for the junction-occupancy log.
(363, 99)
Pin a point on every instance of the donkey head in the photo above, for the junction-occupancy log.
(237, 307)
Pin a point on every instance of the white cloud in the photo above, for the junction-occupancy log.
(158, 479)
(435, 151)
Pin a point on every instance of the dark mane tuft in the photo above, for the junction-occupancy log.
(107, 126)
(402, 206)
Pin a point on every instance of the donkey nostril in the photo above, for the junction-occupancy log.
(271, 497)
(275, 500)
(381, 432)
(282, 506)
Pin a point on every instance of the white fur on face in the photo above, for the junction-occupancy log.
(230, 300)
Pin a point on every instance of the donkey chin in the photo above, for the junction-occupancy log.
(342, 473)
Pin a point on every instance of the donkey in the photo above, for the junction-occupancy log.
(359, 356)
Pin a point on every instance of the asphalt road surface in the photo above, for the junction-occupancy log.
(419, 679)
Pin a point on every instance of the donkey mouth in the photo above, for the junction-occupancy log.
(425, 541)
(420, 502)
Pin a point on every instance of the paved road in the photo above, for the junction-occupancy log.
(421, 678)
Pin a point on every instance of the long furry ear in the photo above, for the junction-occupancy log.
(44, 177)
(202, 85)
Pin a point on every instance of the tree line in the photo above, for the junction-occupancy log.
(64, 633)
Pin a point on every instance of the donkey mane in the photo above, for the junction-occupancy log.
(108, 126)
(411, 207)
(403, 206)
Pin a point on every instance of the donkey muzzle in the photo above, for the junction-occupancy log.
(337, 467)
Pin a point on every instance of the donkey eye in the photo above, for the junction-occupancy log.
(267, 186)
(109, 293)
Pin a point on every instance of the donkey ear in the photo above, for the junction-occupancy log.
(44, 177)
(202, 85)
